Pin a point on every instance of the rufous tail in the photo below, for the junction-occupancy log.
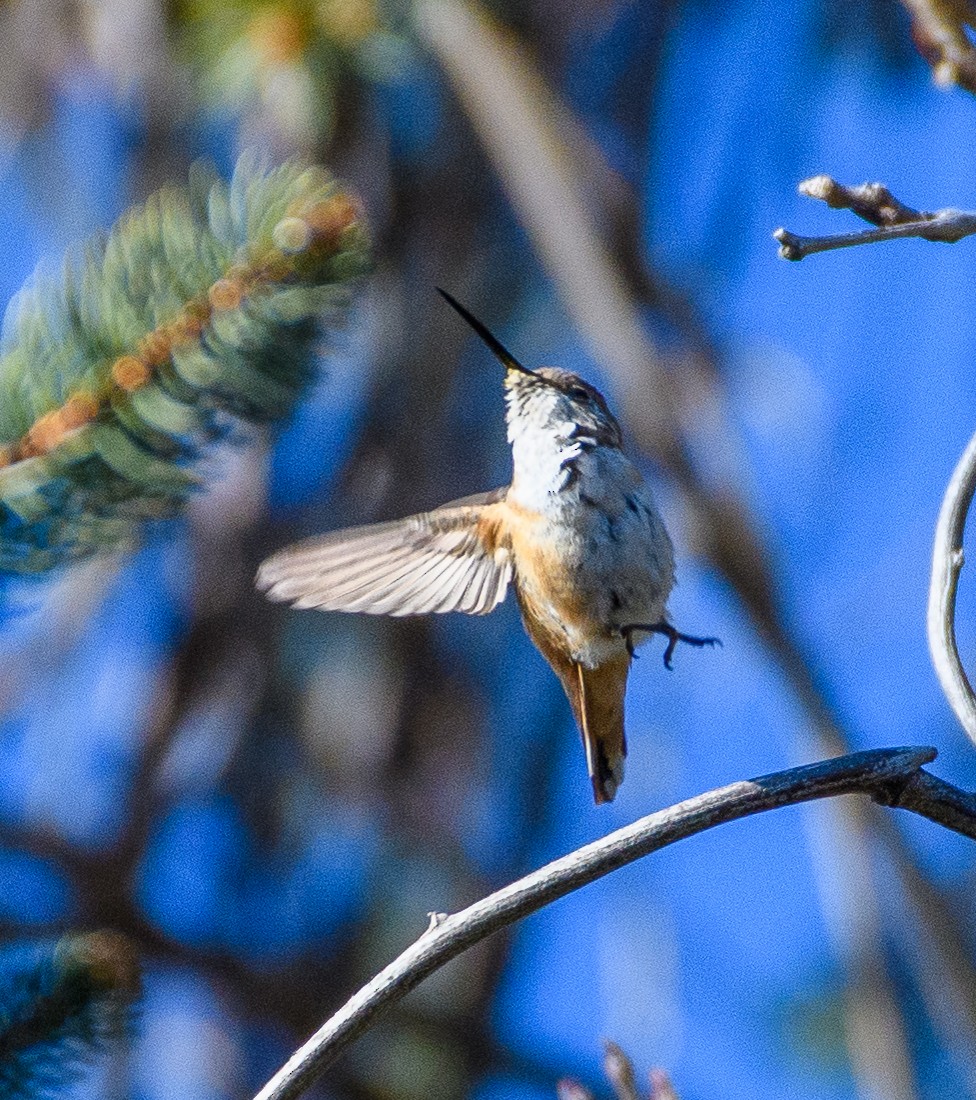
(598, 703)
(597, 698)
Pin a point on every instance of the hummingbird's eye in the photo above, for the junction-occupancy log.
(577, 393)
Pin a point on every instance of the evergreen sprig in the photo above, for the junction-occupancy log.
(62, 1004)
(203, 302)
(295, 69)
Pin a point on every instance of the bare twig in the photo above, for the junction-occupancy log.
(874, 203)
(947, 563)
(939, 31)
(620, 1072)
(890, 776)
(661, 1087)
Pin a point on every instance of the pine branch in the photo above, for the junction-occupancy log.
(61, 1005)
(198, 307)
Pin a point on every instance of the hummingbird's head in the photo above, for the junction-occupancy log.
(562, 403)
(548, 400)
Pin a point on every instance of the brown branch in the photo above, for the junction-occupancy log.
(892, 777)
(873, 202)
(947, 563)
(620, 1072)
(939, 31)
(536, 167)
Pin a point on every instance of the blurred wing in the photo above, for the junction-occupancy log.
(451, 559)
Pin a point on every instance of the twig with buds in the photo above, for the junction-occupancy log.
(892, 777)
(874, 203)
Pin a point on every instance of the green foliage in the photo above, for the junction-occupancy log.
(202, 303)
(61, 1005)
(293, 65)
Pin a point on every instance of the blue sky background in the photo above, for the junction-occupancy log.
(849, 390)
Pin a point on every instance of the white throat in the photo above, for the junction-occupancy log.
(546, 461)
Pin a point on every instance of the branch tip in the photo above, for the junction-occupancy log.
(568, 1089)
(435, 920)
(818, 187)
(620, 1071)
(790, 245)
(661, 1087)
(874, 203)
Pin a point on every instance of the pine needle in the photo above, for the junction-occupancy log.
(199, 307)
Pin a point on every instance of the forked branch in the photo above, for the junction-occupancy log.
(892, 777)
(874, 203)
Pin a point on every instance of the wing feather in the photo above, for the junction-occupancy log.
(451, 559)
(479, 589)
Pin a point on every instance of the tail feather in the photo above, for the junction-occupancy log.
(597, 698)
(599, 708)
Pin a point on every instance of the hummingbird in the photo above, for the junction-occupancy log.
(577, 534)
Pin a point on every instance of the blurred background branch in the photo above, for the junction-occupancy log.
(942, 31)
(620, 1073)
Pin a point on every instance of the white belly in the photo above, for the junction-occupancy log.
(598, 559)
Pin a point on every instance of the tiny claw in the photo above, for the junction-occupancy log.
(674, 636)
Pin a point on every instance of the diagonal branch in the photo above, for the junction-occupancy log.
(947, 563)
(892, 777)
(874, 203)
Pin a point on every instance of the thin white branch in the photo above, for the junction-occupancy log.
(947, 563)
(874, 203)
(947, 226)
(890, 776)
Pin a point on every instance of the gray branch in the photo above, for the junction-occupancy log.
(892, 777)
(947, 563)
(874, 203)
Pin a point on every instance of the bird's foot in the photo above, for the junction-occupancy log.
(673, 636)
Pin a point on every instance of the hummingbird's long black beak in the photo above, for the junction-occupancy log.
(501, 353)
